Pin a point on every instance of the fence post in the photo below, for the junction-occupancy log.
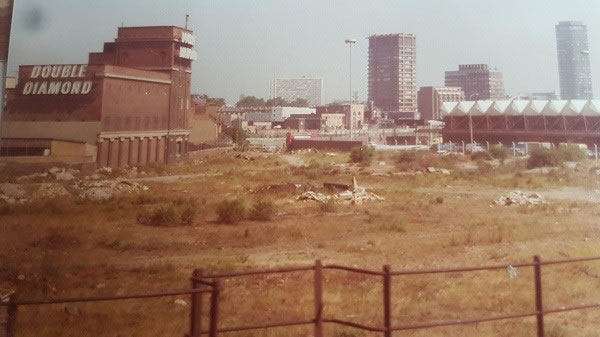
(387, 306)
(196, 310)
(539, 308)
(214, 309)
(318, 299)
(11, 316)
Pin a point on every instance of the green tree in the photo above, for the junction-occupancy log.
(277, 101)
(250, 102)
(299, 102)
(218, 101)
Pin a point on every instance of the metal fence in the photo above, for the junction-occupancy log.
(210, 284)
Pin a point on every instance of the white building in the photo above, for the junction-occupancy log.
(281, 113)
(290, 89)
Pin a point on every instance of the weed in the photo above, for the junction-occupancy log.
(327, 207)
(482, 155)
(392, 228)
(362, 155)
(231, 211)
(188, 215)
(438, 200)
(262, 211)
(161, 216)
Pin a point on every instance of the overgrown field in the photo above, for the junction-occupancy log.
(153, 240)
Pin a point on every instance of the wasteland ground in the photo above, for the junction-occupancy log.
(69, 247)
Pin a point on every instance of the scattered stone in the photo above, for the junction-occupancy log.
(54, 170)
(72, 310)
(520, 198)
(181, 302)
(21, 277)
(64, 176)
(32, 176)
(356, 195)
(13, 191)
(100, 285)
(104, 170)
(445, 172)
(94, 177)
(101, 190)
(431, 170)
(570, 165)
(51, 191)
(330, 154)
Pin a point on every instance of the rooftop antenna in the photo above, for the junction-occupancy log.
(187, 19)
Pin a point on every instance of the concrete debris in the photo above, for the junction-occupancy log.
(94, 177)
(51, 191)
(12, 193)
(445, 172)
(32, 177)
(181, 302)
(356, 195)
(72, 310)
(64, 176)
(105, 189)
(104, 170)
(12, 190)
(285, 188)
(431, 170)
(54, 170)
(520, 198)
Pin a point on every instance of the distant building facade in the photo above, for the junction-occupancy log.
(478, 81)
(290, 89)
(131, 102)
(574, 68)
(393, 73)
(281, 113)
(431, 99)
(358, 111)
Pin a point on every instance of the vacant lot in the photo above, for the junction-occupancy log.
(151, 240)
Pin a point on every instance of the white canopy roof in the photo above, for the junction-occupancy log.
(574, 108)
(522, 108)
(555, 107)
(517, 107)
(499, 108)
(480, 108)
(535, 108)
(447, 108)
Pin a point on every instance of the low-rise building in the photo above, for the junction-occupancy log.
(302, 122)
(281, 113)
(358, 112)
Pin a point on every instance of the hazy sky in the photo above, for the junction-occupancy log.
(243, 44)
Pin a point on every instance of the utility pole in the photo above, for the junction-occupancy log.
(350, 42)
(6, 10)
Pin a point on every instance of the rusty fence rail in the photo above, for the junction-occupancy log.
(386, 274)
(210, 284)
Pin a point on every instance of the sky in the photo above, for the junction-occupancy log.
(243, 44)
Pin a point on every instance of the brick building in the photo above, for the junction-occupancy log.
(132, 100)
(431, 99)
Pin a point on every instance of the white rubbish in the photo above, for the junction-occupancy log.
(520, 198)
(512, 272)
(51, 191)
(356, 196)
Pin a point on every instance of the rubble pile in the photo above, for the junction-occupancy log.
(520, 198)
(50, 190)
(105, 189)
(356, 195)
(12, 193)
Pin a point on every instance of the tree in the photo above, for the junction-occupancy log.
(277, 101)
(250, 101)
(299, 102)
(218, 101)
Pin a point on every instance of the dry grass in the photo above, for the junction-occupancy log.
(67, 248)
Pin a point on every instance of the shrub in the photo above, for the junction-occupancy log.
(438, 200)
(188, 215)
(482, 155)
(406, 157)
(363, 155)
(327, 207)
(541, 157)
(500, 152)
(570, 153)
(262, 211)
(231, 211)
(160, 216)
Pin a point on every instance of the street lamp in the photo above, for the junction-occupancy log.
(350, 42)
(471, 119)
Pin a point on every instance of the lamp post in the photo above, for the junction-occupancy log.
(471, 119)
(350, 42)
(6, 6)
